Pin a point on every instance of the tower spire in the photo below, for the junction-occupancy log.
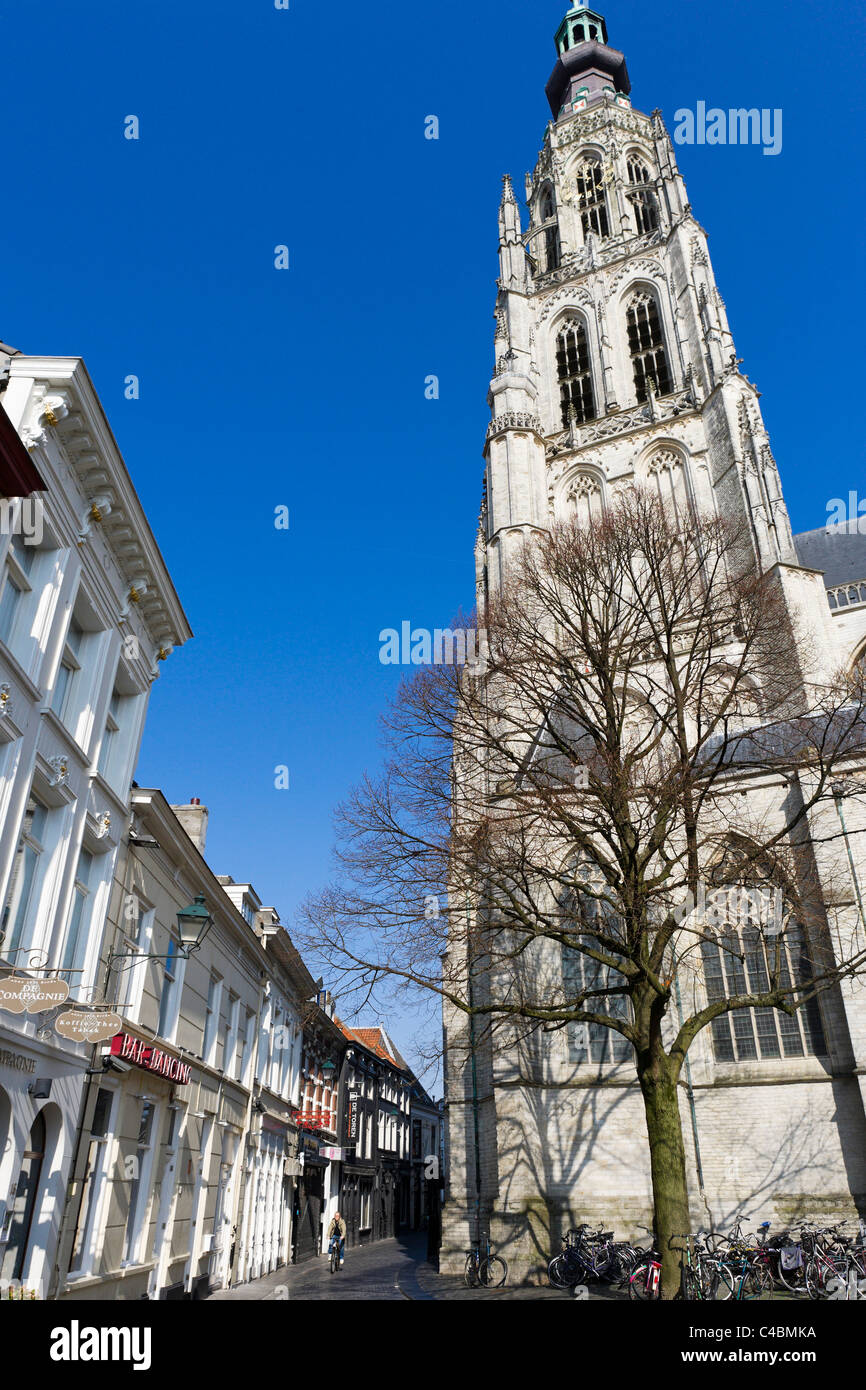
(587, 67)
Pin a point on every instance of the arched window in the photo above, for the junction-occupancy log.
(574, 373)
(751, 920)
(584, 498)
(547, 211)
(641, 196)
(665, 471)
(591, 197)
(588, 911)
(646, 345)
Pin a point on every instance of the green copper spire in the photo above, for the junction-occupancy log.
(581, 25)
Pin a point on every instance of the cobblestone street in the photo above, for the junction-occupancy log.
(394, 1270)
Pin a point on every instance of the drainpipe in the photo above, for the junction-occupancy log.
(474, 1081)
(838, 791)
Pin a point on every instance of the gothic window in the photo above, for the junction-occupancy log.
(667, 479)
(745, 931)
(593, 1042)
(584, 498)
(574, 373)
(547, 211)
(646, 346)
(740, 964)
(591, 197)
(641, 196)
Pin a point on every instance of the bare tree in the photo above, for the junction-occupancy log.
(559, 836)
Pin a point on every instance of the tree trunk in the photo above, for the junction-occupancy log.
(668, 1165)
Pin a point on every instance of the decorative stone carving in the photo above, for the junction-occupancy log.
(60, 769)
(514, 420)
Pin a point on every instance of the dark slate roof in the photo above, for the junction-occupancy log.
(838, 551)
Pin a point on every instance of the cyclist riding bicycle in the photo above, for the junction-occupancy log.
(337, 1231)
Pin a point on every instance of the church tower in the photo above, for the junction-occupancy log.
(614, 360)
(614, 366)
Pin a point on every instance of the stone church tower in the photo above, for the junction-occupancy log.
(615, 364)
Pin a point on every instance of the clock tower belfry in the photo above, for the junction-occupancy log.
(614, 360)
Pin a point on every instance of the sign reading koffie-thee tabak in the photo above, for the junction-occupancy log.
(19, 994)
(88, 1026)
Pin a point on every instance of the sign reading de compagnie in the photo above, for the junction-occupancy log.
(20, 994)
(144, 1054)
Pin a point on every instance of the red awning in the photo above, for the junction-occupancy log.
(18, 476)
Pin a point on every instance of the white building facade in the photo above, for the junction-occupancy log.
(87, 613)
(183, 1181)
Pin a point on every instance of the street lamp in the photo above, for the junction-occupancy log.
(193, 924)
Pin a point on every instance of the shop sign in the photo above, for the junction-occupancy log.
(16, 1061)
(335, 1155)
(151, 1058)
(19, 994)
(88, 1025)
(352, 1114)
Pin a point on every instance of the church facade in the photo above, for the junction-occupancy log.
(615, 365)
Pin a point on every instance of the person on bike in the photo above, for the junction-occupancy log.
(337, 1231)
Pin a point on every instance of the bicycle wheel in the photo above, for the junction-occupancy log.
(717, 1281)
(557, 1273)
(470, 1271)
(821, 1272)
(644, 1283)
(756, 1282)
(493, 1272)
(333, 1258)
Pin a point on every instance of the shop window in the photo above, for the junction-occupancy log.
(139, 1165)
(94, 1184)
(23, 1204)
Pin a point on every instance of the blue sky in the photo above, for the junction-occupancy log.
(305, 388)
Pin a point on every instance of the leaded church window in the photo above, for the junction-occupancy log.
(574, 373)
(641, 196)
(591, 198)
(552, 254)
(646, 345)
(739, 951)
(593, 1042)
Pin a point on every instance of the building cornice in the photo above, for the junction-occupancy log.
(69, 406)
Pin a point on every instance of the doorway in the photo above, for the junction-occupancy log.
(23, 1204)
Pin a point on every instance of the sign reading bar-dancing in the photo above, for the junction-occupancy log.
(151, 1058)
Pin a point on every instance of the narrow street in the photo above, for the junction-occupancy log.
(395, 1270)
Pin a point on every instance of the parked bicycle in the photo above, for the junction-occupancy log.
(483, 1268)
